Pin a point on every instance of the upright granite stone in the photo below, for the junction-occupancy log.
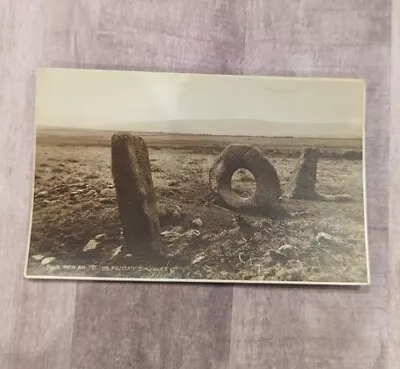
(237, 156)
(136, 197)
(303, 183)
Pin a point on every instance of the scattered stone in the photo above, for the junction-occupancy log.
(170, 236)
(100, 237)
(42, 194)
(323, 237)
(37, 257)
(303, 183)
(197, 222)
(116, 252)
(191, 234)
(91, 245)
(177, 229)
(237, 156)
(197, 259)
(127, 256)
(48, 260)
(287, 250)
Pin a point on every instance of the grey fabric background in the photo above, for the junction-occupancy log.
(49, 324)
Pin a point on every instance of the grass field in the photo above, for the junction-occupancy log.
(74, 200)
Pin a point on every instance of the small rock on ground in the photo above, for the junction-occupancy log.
(38, 257)
(48, 260)
(42, 194)
(91, 245)
(197, 259)
(100, 237)
(323, 237)
(116, 252)
(170, 236)
(197, 222)
(192, 233)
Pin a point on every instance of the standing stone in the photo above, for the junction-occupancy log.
(239, 156)
(303, 184)
(135, 192)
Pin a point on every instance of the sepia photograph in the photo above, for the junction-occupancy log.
(175, 177)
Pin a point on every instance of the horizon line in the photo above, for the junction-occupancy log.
(195, 134)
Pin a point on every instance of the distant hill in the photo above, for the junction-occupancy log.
(240, 127)
(262, 128)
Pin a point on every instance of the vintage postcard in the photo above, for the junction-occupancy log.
(174, 177)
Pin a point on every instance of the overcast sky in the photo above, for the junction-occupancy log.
(146, 101)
